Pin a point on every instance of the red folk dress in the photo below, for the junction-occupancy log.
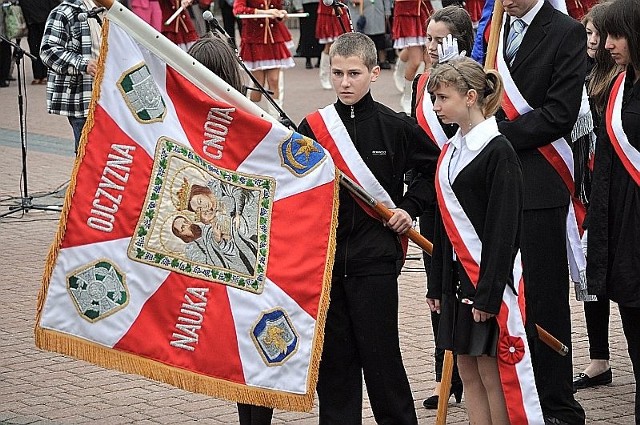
(328, 26)
(264, 42)
(409, 23)
(181, 31)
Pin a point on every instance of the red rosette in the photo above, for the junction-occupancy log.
(510, 349)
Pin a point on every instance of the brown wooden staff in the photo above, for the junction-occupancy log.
(494, 35)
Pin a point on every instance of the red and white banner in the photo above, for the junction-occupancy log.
(514, 355)
(559, 155)
(629, 155)
(183, 252)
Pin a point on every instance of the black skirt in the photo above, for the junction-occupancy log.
(458, 331)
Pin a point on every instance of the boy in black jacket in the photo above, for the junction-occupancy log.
(375, 146)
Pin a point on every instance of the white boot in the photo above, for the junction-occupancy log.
(398, 74)
(325, 71)
(405, 100)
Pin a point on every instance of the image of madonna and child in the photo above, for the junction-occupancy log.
(224, 231)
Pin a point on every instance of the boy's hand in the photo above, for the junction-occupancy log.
(400, 222)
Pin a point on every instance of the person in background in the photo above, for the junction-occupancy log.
(229, 20)
(603, 72)
(409, 35)
(613, 263)
(544, 57)
(361, 331)
(149, 11)
(5, 55)
(264, 45)
(70, 49)
(36, 13)
(308, 46)
(181, 31)
(329, 26)
(371, 17)
(449, 23)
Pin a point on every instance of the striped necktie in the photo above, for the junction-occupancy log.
(515, 38)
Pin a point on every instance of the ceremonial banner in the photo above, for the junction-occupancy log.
(196, 242)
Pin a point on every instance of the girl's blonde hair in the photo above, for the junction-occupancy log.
(465, 74)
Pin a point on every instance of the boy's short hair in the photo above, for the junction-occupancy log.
(355, 44)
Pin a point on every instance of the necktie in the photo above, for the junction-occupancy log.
(515, 38)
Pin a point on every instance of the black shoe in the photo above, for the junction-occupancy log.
(582, 380)
(308, 65)
(432, 402)
(384, 65)
(550, 420)
(4, 83)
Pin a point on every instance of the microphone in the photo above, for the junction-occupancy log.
(211, 20)
(93, 14)
(333, 3)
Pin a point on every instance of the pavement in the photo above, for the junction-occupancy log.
(38, 387)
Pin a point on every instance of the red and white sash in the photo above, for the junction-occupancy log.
(426, 117)
(560, 157)
(331, 133)
(629, 156)
(513, 354)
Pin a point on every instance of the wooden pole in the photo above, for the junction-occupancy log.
(105, 3)
(445, 388)
(494, 35)
(384, 212)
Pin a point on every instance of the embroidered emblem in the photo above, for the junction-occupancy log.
(379, 153)
(203, 221)
(141, 94)
(98, 290)
(274, 337)
(300, 154)
(510, 349)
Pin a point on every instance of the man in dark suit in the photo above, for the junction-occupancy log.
(548, 69)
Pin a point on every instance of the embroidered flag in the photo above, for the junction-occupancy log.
(196, 242)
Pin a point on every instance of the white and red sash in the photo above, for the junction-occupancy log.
(513, 354)
(560, 157)
(331, 133)
(629, 156)
(426, 117)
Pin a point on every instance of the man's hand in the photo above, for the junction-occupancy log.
(400, 222)
(448, 49)
(92, 67)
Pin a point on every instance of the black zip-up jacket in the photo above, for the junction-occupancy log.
(390, 144)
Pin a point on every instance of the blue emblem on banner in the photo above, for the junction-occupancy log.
(275, 337)
(301, 154)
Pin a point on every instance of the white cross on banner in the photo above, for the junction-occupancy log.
(196, 242)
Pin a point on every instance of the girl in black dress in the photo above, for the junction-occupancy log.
(475, 281)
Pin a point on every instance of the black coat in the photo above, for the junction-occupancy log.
(37, 11)
(613, 260)
(390, 144)
(549, 71)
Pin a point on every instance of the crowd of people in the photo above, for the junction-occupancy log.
(478, 156)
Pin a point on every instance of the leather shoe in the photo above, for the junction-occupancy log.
(550, 420)
(582, 380)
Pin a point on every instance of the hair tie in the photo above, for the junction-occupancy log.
(463, 77)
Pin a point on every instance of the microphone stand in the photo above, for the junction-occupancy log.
(284, 119)
(26, 203)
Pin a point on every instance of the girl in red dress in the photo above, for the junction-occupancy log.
(264, 43)
(328, 28)
(181, 30)
(409, 34)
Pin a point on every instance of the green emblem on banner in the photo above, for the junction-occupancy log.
(142, 95)
(98, 290)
